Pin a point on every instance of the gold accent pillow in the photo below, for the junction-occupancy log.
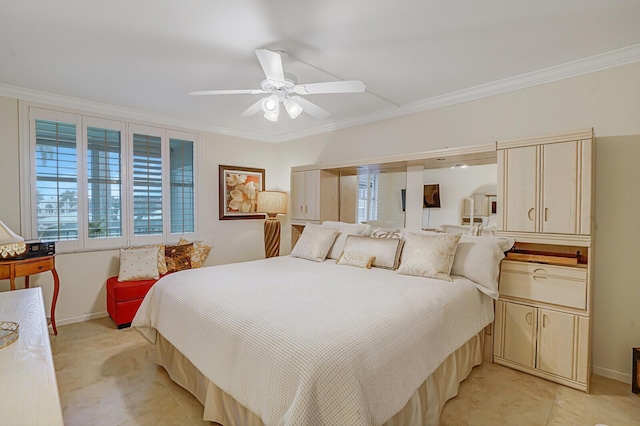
(162, 262)
(356, 259)
(178, 257)
(199, 253)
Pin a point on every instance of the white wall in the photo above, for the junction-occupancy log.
(608, 101)
(455, 185)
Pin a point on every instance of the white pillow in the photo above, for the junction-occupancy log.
(428, 255)
(314, 243)
(356, 259)
(344, 230)
(386, 250)
(138, 264)
(478, 259)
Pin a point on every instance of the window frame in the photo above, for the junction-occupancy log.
(30, 111)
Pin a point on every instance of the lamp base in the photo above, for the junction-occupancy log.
(271, 237)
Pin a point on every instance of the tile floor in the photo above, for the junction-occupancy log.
(108, 377)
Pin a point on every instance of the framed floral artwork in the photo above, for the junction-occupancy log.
(238, 189)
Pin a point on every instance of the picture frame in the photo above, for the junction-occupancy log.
(431, 197)
(238, 188)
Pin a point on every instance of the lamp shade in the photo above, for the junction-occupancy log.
(11, 244)
(272, 202)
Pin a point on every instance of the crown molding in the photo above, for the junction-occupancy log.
(611, 59)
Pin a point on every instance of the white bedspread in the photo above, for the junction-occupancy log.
(305, 343)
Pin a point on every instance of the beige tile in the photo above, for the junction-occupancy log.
(169, 415)
(109, 377)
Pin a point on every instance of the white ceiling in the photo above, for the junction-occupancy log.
(148, 54)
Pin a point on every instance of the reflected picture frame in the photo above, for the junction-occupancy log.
(431, 198)
(238, 188)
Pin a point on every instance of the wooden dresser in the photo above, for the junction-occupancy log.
(28, 387)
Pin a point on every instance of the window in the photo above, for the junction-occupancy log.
(181, 182)
(105, 183)
(56, 163)
(367, 197)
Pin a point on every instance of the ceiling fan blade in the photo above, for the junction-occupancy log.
(253, 109)
(311, 108)
(227, 92)
(271, 63)
(351, 86)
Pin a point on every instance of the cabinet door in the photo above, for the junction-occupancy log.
(312, 195)
(559, 211)
(556, 342)
(520, 174)
(298, 195)
(519, 325)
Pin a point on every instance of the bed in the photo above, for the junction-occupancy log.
(288, 341)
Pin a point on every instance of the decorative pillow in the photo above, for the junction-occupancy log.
(392, 233)
(428, 255)
(315, 242)
(344, 230)
(478, 259)
(138, 264)
(385, 250)
(178, 257)
(162, 263)
(199, 253)
(356, 259)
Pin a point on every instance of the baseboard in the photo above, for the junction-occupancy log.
(612, 374)
(96, 315)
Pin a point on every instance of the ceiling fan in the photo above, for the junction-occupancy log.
(283, 88)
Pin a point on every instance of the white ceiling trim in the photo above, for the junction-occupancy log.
(591, 64)
(594, 63)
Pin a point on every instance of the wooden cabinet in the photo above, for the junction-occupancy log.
(545, 185)
(314, 195)
(549, 343)
(542, 322)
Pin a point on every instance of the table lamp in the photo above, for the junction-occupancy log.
(272, 203)
(11, 244)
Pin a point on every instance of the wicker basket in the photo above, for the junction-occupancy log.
(8, 333)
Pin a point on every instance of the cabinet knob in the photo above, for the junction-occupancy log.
(528, 318)
(546, 214)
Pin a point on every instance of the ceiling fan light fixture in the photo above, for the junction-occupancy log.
(271, 108)
(293, 108)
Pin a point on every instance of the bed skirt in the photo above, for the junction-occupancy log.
(423, 408)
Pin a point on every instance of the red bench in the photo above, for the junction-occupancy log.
(124, 299)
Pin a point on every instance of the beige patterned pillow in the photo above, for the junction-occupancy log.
(199, 253)
(314, 243)
(392, 233)
(138, 264)
(356, 259)
(178, 257)
(428, 255)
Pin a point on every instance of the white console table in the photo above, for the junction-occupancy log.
(28, 387)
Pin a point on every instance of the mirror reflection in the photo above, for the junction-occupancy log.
(374, 197)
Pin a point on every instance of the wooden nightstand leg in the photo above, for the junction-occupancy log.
(26, 281)
(56, 288)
